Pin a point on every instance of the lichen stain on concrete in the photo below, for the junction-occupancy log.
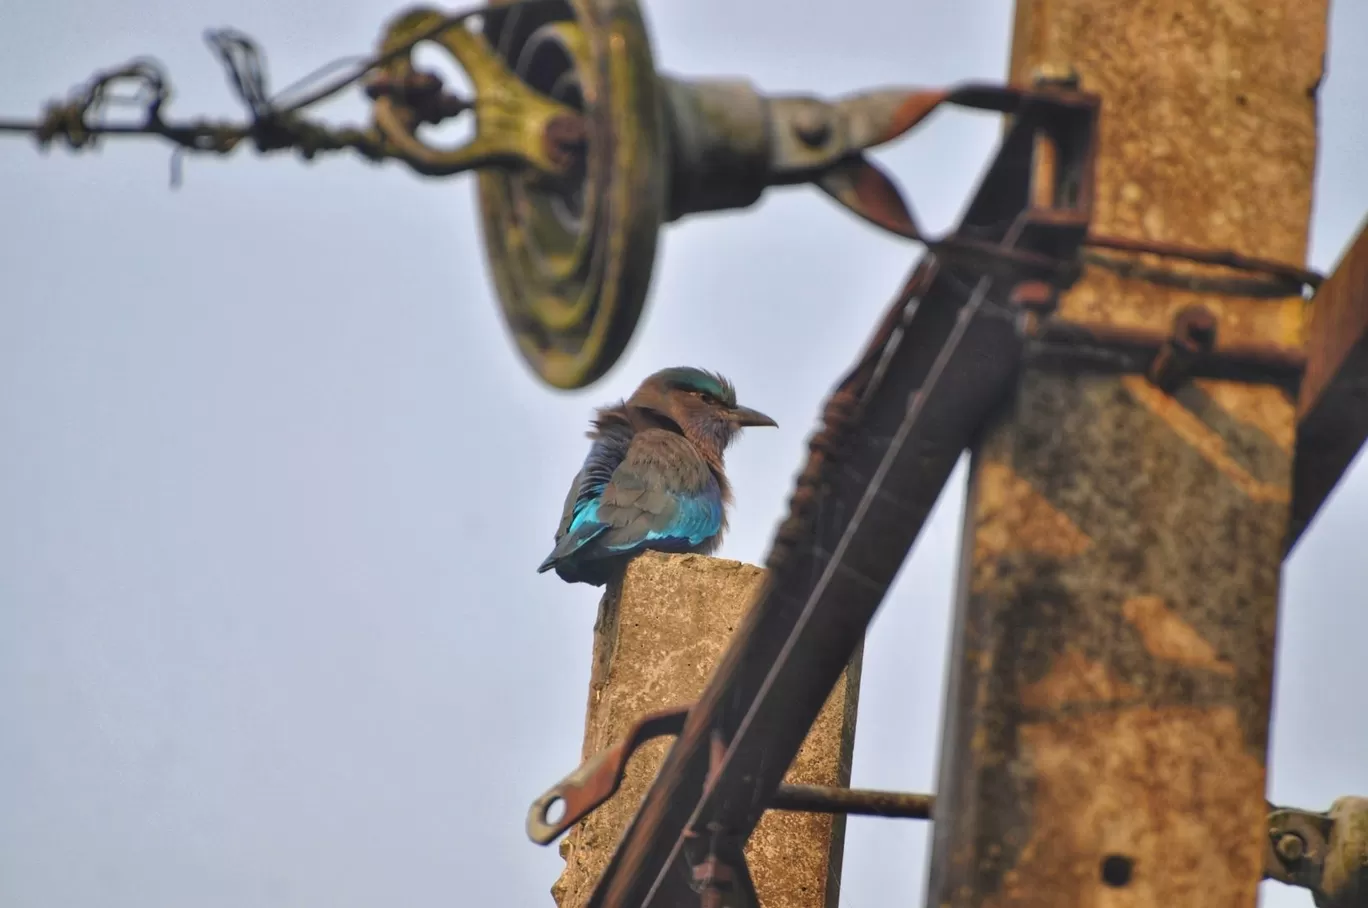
(1171, 639)
(1014, 517)
(1074, 679)
(1205, 440)
(1165, 788)
(1205, 106)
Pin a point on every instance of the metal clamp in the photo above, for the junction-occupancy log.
(1326, 853)
(515, 126)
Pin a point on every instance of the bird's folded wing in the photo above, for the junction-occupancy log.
(662, 494)
(612, 438)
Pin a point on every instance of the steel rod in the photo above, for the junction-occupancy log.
(859, 802)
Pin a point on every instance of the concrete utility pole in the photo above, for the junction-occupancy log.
(659, 632)
(1111, 666)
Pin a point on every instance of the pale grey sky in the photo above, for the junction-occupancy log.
(274, 482)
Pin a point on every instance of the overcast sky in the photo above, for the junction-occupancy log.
(274, 482)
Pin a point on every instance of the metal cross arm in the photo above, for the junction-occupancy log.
(1325, 853)
(944, 356)
(1332, 412)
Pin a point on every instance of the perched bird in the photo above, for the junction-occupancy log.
(653, 478)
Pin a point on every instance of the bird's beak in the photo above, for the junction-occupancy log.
(745, 416)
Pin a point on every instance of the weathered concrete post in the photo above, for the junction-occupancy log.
(659, 633)
(1111, 665)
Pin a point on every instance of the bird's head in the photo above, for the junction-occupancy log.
(701, 403)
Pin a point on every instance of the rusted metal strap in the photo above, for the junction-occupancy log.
(1189, 350)
(1288, 279)
(598, 779)
(893, 432)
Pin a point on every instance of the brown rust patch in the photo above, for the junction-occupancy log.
(1074, 679)
(1187, 426)
(1170, 638)
(1160, 793)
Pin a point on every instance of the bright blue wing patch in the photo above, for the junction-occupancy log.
(620, 508)
(698, 519)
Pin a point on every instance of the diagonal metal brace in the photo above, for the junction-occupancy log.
(942, 360)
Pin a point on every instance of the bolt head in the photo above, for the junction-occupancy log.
(1195, 327)
(812, 128)
(1291, 848)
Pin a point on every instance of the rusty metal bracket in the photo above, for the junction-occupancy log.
(1325, 853)
(1191, 349)
(856, 183)
(599, 777)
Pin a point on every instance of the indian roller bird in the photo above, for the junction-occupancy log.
(653, 478)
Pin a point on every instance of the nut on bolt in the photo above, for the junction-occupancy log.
(564, 139)
(1194, 333)
(1291, 847)
(812, 126)
(420, 92)
(1195, 326)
